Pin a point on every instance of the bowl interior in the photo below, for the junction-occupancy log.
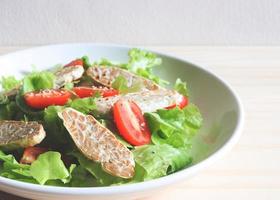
(216, 102)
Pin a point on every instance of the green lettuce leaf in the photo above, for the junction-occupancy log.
(175, 127)
(9, 82)
(37, 81)
(159, 160)
(140, 59)
(14, 170)
(47, 169)
(142, 62)
(86, 62)
(82, 178)
(109, 63)
(55, 128)
(8, 110)
(181, 87)
(84, 105)
(95, 169)
(121, 84)
(49, 166)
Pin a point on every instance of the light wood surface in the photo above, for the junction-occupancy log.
(252, 169)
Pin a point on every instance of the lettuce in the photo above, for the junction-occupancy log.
(49, 166)
(95, 169)
(86, 62)
(121, 84)
(84, 105)
(8, 110)
(55, 128)
(13, 170)
(159, 160)
(107, 62)
(9, 82)
(175, 127)
(37, 81)
(140, 59)
(181, 87)
(142, 62)
(82, 178)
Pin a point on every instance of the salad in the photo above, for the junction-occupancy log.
(90, 124)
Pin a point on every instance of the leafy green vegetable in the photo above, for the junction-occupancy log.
(142, 62)
(84, 105)
(175, 127)
(55, 128)
(86, 62)
(9, 83)
(82, 178)
(148, 73)
(49, 166)
(181, 87)
(121, 84)
(95, 169)
(38, 80)
(160, 160)
(12, 169)
(8, 110)
(69, 86)
(107, 62)
(140, 59)
(4, 99)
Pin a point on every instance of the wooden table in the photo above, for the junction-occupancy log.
(252, 169)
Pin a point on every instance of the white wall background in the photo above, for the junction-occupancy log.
(144, 22)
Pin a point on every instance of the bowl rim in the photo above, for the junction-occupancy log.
(147, 185)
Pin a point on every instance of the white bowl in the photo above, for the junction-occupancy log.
(220, 106)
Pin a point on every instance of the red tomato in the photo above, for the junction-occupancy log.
(74, 63)
(83, 92)
(45, 98)
(131, 123)
(184, 101)
(30, 154)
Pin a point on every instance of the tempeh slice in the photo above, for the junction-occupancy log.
(105, 76)
(98, 143)
(19, 134)
(68, 75)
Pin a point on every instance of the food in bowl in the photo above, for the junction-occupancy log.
(106, 123)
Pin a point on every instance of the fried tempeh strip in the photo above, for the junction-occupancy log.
(98, 143)
(105, 76)
(19, 134)
(68, 75)
(148, 101)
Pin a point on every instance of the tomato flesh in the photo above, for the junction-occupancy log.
(131, 123)
(30, 154)
(184, 101)
(83, 92)
(75, 63)
(45, 98)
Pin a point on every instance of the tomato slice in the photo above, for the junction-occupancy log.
(183, 102)
(45, 98)
(131, 123)
(30, 154)
(75, 62)
(83, 92)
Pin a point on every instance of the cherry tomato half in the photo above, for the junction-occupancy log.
(131, 123)
(30, 154)
(45, 98)
(83, 92)
(75, 62)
